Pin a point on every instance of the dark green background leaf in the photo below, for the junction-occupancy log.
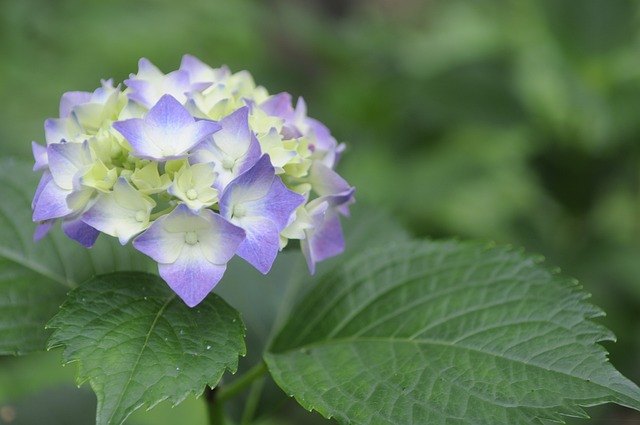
(138, 344)
(446, 332)
(35, 276)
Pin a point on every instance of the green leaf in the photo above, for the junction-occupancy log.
(138, 344)
(35, 276)
(442, 333)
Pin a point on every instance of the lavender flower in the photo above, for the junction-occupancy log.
(168, 131)
(192, 250)
(194, 166)
(261, 204)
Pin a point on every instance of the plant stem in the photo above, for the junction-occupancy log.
(237, 386)
(252, 401)
(215, 397)
(214, 406)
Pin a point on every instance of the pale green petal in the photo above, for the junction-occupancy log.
(148, 180)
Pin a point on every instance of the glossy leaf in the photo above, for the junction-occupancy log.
(137, 344)
(443, 333)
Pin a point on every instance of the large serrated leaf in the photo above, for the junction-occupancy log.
(443, 333)
(35, 276)
(138, 344)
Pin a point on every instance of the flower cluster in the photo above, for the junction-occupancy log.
(194, 166)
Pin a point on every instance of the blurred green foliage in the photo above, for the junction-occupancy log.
(509, 120)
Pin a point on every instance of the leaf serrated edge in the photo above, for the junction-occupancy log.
(231, 366)
(575, 289)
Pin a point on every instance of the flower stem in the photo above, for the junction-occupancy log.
(214, 406)
(237, 386)
(253, 399)
(215, 397)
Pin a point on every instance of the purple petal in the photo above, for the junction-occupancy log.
(42, 229)
(164, 239)
(191, 276)
(234, 155)
(141, 91)
(81, 232)
(71, 99)
(322, 133)
(44, 180)
(251, 156)
(200, 72)
(300, 114)
(278, 205)
(102, 94)
(133, 130)
(324, 142)
(262, 194)
(251, 185)
(326, 181)
(220, 242)
(261, 204)
(278, 105)
(40, 156)
(65, 160)
(146, 69)
(197, 87)
(192, 250)
(158, 243)
(168, 116)
(332, 188)
(235, 136)
(193, 66)
(172, 128)
(58, 130)
(177, 83)
(340, 200)
(55, 130)
(150, 84)
(262, 243)
(204, 128)
(325, 239)
(289, 133)
(168, 131)
(51, 202)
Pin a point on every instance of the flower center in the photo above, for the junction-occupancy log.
(141, 215)
(228, 163)
(239, 211)
(192, 194)
(191, 238)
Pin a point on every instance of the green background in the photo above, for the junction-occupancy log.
(516, 121)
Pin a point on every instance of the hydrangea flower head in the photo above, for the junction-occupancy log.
(194, 167)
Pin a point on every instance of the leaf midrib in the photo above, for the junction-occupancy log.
(35, 267)
(139, 357)
(346, 290)
(626, 400)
